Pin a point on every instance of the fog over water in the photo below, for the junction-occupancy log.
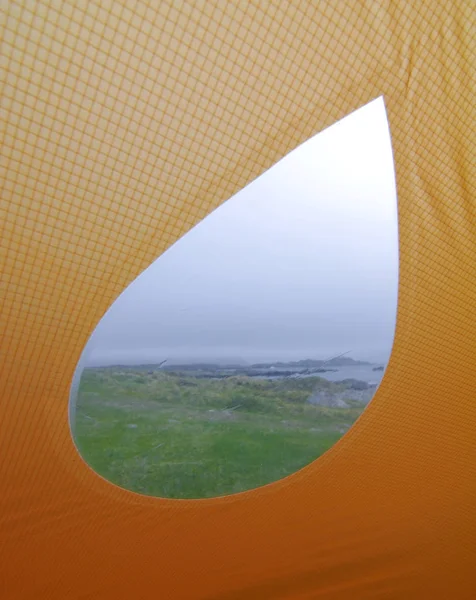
(302, 263)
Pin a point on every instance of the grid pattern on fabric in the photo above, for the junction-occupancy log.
(124, 124)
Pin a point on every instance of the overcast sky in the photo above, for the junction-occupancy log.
(302, 263)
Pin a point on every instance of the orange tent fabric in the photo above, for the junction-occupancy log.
(123, 124)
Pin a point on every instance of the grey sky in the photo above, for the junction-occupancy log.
(301, 263)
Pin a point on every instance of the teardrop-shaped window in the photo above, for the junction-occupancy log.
(253, 344)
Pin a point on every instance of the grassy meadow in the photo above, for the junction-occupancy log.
(179, 436)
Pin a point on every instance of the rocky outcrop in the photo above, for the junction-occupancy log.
(356, 384)
(341, 399)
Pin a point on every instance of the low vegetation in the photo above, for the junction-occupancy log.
(178, 436)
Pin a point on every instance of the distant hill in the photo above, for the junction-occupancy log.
(281, 366)
(310, 363)
(345, 361)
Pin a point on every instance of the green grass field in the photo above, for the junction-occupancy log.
(178, 436)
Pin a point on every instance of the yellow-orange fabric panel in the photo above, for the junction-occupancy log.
(123, 124)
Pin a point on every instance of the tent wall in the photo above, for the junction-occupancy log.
(123, 125)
